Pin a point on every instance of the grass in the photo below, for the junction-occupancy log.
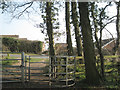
(110, 73)
(9, 62)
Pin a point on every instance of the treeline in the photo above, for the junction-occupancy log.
(15, 45)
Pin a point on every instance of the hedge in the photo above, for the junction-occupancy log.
(16, 45)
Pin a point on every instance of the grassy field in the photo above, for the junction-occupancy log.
(8, 62)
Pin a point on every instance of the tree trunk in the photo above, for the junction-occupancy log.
(50, 29)
(49, 25)
(117, 52)
(98, 43)
(117, 29)
(67, 17)
(76, 27)
(92, 75)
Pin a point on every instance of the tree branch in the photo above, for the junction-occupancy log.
(112, 17)
(109, 32)
(21, 13)
(104, 9)
(22, 5)
(107, 24)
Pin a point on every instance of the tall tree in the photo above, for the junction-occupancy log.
(67, 17)
(92, 75)
(98, 44)
(76, 28)
(99, 16)
(117, 28)
(49, 25)
(117, 52)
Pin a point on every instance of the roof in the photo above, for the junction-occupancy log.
(106, 41)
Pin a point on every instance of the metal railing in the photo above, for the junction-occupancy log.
(12, 73)
(54, 78)
(64, 73)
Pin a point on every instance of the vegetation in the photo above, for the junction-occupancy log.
(9, 62)
(15, 45)
(90, 22)
(111, 80)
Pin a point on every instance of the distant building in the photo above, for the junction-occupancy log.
(61, 48)
(13, 36)
(108, 46)
(43, 47)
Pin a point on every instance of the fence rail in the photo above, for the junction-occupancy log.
(12, 72)
(60, 70)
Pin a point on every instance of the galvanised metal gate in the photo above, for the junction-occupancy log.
(12, 68)
(42, 71)
(37, 70)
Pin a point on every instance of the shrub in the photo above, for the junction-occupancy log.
(16, 45)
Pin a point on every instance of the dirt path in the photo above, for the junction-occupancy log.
(35, 81)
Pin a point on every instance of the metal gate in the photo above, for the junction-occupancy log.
(42, 71)
(37, 70)
(12, 72)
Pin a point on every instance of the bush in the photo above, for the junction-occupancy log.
(15, 45)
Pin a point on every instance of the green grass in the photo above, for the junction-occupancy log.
(8, 62)
(111, 74)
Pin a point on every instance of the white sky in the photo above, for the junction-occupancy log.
(25, 29)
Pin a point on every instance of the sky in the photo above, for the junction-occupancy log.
(20, 27)
(26, 29)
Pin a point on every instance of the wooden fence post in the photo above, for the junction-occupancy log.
(25, 68)
(49, 70)
(29, 70)
(67, 71)
(74, 67)
(22, 67)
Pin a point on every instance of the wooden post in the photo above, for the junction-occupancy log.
(67, 71)
(118, 69)
(22, 67)
(50, 71)
(55, 67)
(29, 70)
(25, 68)
(74, 67)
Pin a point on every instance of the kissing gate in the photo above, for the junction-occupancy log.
(41, 69)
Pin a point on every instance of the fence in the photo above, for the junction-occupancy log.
(10, 72)
(57, 71)
(63, 76)
(35, 70)
(30, 70)
(64, 73)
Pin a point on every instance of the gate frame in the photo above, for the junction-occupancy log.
(21, 65)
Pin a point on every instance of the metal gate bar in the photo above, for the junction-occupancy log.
(17, 68)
